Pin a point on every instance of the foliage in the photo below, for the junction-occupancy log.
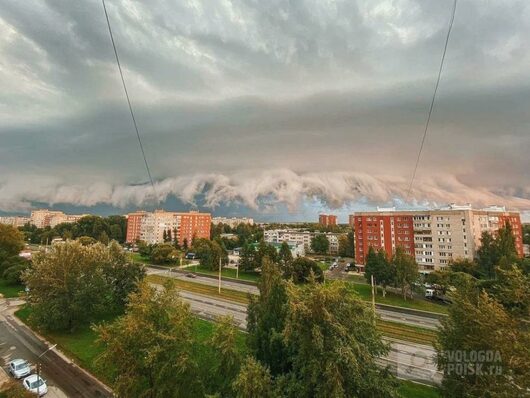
(13, 274)
(285, 257)
(13, 389)
(210, 253)
(334, 343)
(265, 250)
(406, 270)
(150, 346)
(347, 245)
(302, 269)
(246, 258)
(163, 253)
(11, 241)
(477, 322)
(266, 320)
(253, 381)
(378, 266)
(496, 251)
(73, 284)
(320, 244)
(466, 266)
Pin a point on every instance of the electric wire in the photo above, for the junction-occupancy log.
(129, 102)
(433, 99)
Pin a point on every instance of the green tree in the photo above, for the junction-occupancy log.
(370, 264)
(512, 290)
(11, 241)
(477, 323)
(163, 253)
(265, 250)
(253, 381)
(149, 348)
(384, 272)
(224, 343)
(320, 244)
(285, 257)
(464, 265)
(406, 270)
(346, 245)
(210, 253)
(302, 269)
(266, 320)
(13, 389)
(86, 240)
(247, 261)
(334, 344)
(104, 238)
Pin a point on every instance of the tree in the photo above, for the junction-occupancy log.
(247, 261)
(13, 389)
(406, 270)
(11, 241)
(285, 256)
(371, 264)
(74, 284)
(494, 342)
(253, 381)
(320, 244)
(265, 250)
(346, 245)
(104, 238)
(149, 348)
(334, 344)
(266, 320)
(86, 240)
(464, 265)
(495, 251)
(163, 254)
(164, 236)
(210, 253)
(301, 270)
(116, 233)
(384, 272)
(223, 343)
(511, 289)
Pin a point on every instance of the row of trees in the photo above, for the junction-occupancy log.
(245, 233)
(102, 229)
(11, 264)
(304, 340)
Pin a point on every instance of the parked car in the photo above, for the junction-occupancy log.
(19, 368)
(34, 384)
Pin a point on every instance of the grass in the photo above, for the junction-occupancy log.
(8, 291)
(356, 278)
(409, 389)
(410, 333)
(207, 290)
(365, 291)
(322, 265)
(81, 345)
(226, 273)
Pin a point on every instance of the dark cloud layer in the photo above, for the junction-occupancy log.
(245, 101)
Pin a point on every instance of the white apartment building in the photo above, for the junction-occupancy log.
(301, 237)
(50, 218)
(14, 221)
(154, 224)
(232, 222)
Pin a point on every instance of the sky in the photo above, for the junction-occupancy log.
(279, 109)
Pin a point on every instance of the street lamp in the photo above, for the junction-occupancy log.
(38, 367)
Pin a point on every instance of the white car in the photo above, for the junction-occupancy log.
(19, 368)
(35, 384)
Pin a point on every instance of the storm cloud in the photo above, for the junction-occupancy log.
(255, 102)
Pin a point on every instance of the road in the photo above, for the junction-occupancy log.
(65, 378)
(385, 314)
(407, 360)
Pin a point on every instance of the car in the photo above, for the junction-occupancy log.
(190, 275)
(19, 368)
(35, 384)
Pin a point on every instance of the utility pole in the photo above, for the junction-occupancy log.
(237, 271)
(38, 367)
(219, 274)
(373, 293)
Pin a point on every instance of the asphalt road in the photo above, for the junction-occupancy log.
(407, 360)
(65, 378)
(385, 314)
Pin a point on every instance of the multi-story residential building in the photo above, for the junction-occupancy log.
(327, 220)
(434, 237)
(151, 227)
(15, 221)
(50, 218)
(232, 222)
(297, 237)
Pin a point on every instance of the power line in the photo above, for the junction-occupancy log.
(433, 98)
(129, 102)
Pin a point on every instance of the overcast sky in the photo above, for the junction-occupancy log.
(264, 102)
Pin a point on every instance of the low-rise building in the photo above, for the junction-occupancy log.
(301, 237)
(232, 222)
(14, 221)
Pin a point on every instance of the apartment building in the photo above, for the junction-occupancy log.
(14, 221)
(50, 218)
(301, 237)
(150, 226)
(434, 237)
(232, 222)
(327, 220)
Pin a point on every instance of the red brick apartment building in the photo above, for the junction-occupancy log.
(327, 220)
(150, 226)
(434, 237)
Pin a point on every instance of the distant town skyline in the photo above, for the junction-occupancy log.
(276, 111)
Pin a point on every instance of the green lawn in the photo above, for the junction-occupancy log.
(365, 291)
(356, 278)
(226, 273)
(82, 348)
(8, 290)
(409, 389)
(322, 265)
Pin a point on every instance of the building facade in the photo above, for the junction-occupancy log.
(327, 220)
(433, 237)
(152, 227)
(301, 237)
(14, 221)
(232, 222)
(43, 218)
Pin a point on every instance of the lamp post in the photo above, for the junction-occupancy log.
(38, 367)
(219, 274)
